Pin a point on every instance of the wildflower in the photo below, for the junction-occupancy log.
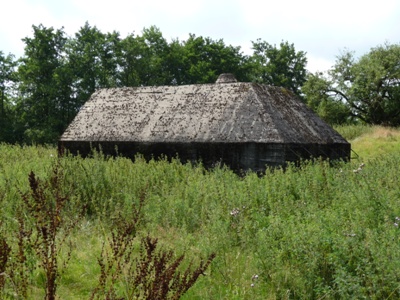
(396, 224)
(360, 167)
(254, 277)
(252, 285)
(235, 212)
(350, 234)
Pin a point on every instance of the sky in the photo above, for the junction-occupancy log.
(322, 28)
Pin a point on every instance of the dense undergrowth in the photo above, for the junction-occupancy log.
(310, 232)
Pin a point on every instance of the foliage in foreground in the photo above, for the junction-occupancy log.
(311, 232)
(44, 226)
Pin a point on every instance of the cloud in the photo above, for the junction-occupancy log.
(16, 21)
(320, 28)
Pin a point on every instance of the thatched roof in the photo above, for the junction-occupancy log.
(224, 112)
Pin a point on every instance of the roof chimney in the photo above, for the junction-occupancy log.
(226, 78)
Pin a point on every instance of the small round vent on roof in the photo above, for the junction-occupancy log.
(226, 78)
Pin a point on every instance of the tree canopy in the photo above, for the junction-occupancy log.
(368, 87)
(43, 85)
(7, 81)
(281, 66)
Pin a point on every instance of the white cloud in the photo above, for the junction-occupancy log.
(320, 28)
(318, 64)
(16, 21)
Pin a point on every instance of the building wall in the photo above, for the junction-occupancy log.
(238, 156)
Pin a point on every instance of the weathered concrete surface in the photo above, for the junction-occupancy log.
(245, 125)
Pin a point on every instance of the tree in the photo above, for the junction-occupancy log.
(130, 62)
(150, 60)
(176, 69)
(205, 59)
(329, 108)
(370, 86)
(7, 80)
(144, 59)
(44, 85)
(281, 66)
(93, 61)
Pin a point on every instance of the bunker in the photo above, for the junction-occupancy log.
(246, 126)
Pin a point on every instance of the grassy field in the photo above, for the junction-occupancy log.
(311, 232)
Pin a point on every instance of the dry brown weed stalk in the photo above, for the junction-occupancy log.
(156, 273)
(44, 205)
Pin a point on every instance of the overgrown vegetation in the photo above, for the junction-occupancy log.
(45, 224)
(311, 232)
(43, 211)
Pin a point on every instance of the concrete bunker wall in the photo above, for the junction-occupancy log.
(237, 156)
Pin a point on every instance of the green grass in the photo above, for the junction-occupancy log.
(371, 142)
(350, 132)
(376, 144)
(313, 232)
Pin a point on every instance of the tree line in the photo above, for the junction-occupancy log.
(42, 91)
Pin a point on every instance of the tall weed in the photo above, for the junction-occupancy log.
(44, 208)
